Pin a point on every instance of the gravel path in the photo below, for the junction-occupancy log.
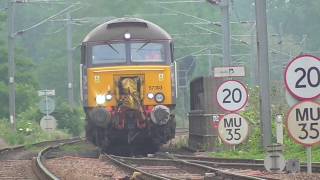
(74, 168)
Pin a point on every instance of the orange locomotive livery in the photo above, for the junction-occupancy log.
(128, 86)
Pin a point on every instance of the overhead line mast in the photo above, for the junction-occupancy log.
(11, 46)
(263, 69)
(11, 64)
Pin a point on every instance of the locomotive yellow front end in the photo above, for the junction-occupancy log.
(140, 89)
(128, 86)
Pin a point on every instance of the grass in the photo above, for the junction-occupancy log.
(291, 151)
(76, 148)
(27, 133)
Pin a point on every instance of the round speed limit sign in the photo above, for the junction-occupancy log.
(302, 77)
(303, 123)
(233, 129)
(232, 95)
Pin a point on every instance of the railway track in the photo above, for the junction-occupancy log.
(16, 162)
(254, 164)
(155, 168)
(25, 152)
(45, 166)
(38, 165)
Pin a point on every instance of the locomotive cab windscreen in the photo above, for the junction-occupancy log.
(129, 52)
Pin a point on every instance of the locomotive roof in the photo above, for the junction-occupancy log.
(138, 28)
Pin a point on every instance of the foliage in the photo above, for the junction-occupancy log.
(298, 18)
(70, 119)
(26, 82)
(77, 148)
(27, 132)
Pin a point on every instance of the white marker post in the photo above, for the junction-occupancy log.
(279, 128)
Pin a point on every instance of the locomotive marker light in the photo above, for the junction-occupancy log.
(233, 129)
(232, 95)
(302, 77)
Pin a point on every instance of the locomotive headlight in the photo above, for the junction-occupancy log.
(150, 95)
(127, 35)
(159, 97)
(108, 97)
(100, 99)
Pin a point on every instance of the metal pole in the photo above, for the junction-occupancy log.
(309, 159)
(70, 61)
(262, 49)
(226, 32)
(47, 106)
(185, 101)
(11, 64)
(210, 62)
(254, 79)
(254, 70)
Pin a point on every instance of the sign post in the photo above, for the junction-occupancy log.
(47, 106)
(233, 129)
(231, 71)
(309, 160)
(232, 95)
(303, 124)
(302, 79)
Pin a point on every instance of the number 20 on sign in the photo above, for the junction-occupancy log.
(302, 77)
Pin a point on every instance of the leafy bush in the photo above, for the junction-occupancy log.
(27, 132)
(69, 119)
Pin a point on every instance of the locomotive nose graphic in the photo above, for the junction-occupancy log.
(129, 93)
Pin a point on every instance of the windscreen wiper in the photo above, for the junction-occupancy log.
(143, 45)
(113, 48)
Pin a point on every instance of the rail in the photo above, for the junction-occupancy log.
(38, 166)
(155, 168)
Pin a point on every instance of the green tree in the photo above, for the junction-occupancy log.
(26, 83)
(70, 119)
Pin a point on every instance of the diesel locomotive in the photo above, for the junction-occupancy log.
(128, 86)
